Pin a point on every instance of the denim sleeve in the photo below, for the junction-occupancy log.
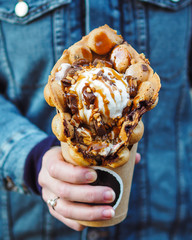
(33, 163)
(18, 136)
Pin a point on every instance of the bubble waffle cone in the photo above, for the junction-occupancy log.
(101, 87)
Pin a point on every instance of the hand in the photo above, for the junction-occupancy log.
(137, 158)
(70, 183)
(61, 179)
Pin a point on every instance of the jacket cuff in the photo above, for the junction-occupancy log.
(34, 162)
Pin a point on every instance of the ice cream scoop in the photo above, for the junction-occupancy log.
(100, 88)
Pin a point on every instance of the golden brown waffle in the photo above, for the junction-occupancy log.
(100, 139)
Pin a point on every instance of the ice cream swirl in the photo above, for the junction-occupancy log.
(103, 89)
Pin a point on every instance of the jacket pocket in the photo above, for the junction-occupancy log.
(169, 4)
(37, 8)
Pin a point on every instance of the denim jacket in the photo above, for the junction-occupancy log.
(160, 207)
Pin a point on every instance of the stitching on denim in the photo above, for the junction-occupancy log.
(141, 27)
(87, 17)
(178, 165)
(6, 62)
(181, 187)
(168, 4)
(56, 35)
(33, 13)
(5, 217)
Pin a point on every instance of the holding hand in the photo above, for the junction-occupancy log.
(69, 186)
(70, 183)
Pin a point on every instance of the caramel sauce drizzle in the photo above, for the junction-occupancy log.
(107, 112)
(100, 91)
(118, 77)
(102, 43)
(110, 90)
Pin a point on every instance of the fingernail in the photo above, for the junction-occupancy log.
(91, 176)
(109, 196)
(108, 213)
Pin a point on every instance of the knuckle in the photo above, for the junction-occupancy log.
(74, 175)
(64, 191)
(90, 196)
(41, 179)
(66, 212)
(52, 170)
(91, 216)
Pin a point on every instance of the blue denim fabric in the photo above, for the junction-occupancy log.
(161, 197)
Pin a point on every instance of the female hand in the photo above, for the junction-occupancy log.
(71, 184)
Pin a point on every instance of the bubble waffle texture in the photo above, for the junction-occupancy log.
(97, 131)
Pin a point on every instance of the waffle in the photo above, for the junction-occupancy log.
(101, 87)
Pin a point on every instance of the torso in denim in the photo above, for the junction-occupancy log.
(160, 207)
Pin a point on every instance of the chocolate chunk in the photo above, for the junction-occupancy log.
(126, 110)
(88, 95)
(133, 88)
(100, 128)
(102, 63)
(128, 128)
(71, 71)
(66, 130)
(81, 62)
(100, 74)
(131, 116)
(66, 82)
(72, 102)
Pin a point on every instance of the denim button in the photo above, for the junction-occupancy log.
(97, 235)
(93, 235)
(21, 9)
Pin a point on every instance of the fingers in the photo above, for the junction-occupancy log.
(68, 222)
(137, 158)
(61, 170)
(76, 192)
(79, 211)
(81, 193)
(69, 173)
(76, 198)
